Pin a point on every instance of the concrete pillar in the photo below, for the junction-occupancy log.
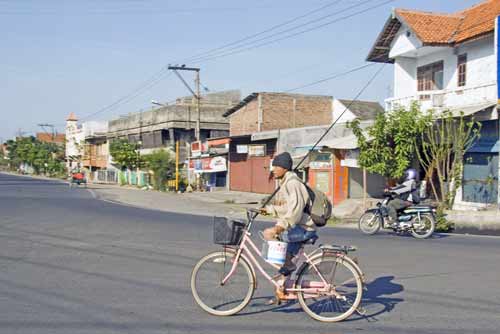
(497, 53)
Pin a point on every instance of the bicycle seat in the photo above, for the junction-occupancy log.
(337, 248)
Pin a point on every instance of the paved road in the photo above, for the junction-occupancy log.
(70, 263)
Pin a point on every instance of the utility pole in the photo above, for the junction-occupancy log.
(176, 166)
(196, 95)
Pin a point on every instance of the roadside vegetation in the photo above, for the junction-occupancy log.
(28, 154)
(437, 142)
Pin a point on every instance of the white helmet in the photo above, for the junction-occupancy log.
(411, 174)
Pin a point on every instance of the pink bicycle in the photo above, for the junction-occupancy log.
(328, 284)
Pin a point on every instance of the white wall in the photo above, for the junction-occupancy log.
(481, 75)
(404, 44)
(338, 108)
(93, 127)
(405, 74)
(74, 137)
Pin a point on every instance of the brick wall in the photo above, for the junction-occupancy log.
(244, 121)
(282, 111)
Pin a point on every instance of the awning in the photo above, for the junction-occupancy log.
(341, 143)
(470, 110)
(485, 147)
(272, 134)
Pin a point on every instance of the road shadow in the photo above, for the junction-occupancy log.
(436, 235)
(376, 300)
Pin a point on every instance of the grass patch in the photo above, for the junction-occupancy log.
(334, 221)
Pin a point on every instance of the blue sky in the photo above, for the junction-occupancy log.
(58, 57)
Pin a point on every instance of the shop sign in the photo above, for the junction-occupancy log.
(320, 165)
(209, 165)
(242, 149)
(350, 159)
(218, 164)
(257, 150)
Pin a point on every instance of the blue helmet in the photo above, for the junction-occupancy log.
(411, 174)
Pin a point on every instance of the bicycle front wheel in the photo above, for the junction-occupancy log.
(338, 298)
(219, 298)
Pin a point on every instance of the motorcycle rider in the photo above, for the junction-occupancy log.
(406, 195)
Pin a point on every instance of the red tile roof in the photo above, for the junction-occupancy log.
(431, 28)
(72, 117)
(478, 20)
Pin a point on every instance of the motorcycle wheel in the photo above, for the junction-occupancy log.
(370, 222)
(424, 228)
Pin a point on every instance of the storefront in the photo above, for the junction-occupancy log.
(209, 163)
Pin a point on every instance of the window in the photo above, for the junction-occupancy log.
(462, 70)
(430, 77)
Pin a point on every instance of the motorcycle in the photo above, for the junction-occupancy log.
(419, 220)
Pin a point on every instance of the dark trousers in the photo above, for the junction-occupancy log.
(395, 205)
(295, 237)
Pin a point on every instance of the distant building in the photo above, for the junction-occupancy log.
(164, 126)
(56, 138)
(87, 145)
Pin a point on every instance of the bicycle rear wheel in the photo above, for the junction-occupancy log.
(217, 298)
(340, 299)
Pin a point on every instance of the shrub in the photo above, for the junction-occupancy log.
(442, 224)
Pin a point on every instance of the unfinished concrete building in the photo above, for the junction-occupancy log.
(162, 127)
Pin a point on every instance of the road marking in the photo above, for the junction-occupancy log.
(94, 195)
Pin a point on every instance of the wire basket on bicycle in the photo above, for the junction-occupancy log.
(228, 231)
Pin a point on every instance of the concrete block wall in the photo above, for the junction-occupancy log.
(272, 111)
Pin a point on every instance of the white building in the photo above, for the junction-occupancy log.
(87, 144)
(449, 61)
(74, 142)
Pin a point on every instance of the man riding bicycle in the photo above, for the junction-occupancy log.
(293, 225)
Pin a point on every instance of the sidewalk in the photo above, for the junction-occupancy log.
(232, 203)
(221, 203)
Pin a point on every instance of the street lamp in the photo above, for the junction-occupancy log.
(159, 104)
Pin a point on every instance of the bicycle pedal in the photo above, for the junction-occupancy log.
(361, 311)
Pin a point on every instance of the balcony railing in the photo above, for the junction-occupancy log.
(95, 161)
(444, 99)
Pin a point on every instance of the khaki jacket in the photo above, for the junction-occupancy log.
(290, 202)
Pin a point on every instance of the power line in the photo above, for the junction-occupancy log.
(331, 77)
(342, 113)
(158, 76)
(127, 98)
(295, 34)
(263, 31)
(316, 20)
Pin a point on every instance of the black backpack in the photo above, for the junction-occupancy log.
(319, 206)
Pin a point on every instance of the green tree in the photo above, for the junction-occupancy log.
(162, 163)
(443, 145)
(43, 157)
(125, 154)
(388, 147)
